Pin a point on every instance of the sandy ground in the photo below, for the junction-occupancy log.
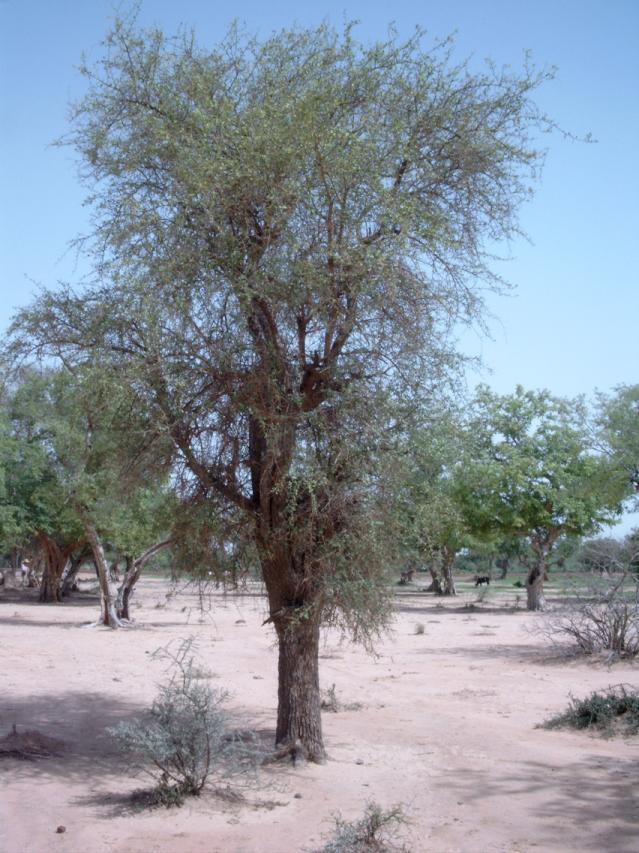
(447, 728)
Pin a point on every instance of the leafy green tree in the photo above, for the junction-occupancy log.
(431, 521)
(35, 517)
(618, 433)
(534, 476)
(284, 233)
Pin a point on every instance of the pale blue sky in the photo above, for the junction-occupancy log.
(572, 324)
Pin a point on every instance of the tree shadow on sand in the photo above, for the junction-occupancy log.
(25, 597)
(79, 719)
(597, 796)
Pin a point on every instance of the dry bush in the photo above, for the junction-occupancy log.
(605, 622)
(376, 832)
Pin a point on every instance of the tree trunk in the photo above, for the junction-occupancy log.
(299, 716)
(448, 581)
(503, 564)
(54, 564)
(435, 584)
(535, 586)
(108, 615)
(68, 580)
(126, 588)
(288, 577)
(132, 575)
(542, 546)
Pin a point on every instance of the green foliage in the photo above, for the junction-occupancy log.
(33, 497)
(72, 446)
(185, 738)
(532, 473)
(430, 516)
(615, 711)
(618, 435)
(376, 832)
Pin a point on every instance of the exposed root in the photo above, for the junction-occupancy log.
(100, 624)
(295, 753)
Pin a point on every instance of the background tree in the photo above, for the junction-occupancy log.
(534, 476)
(618, 433)
(431, 522)
(86, 477)
(36, 521)
(284, 233)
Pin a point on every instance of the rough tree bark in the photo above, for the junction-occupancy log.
(296, 616)
(293, 599)
(299, 718)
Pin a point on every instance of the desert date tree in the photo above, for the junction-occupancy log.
(284, 233)
(533, 475)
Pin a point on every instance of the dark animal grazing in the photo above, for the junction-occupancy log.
(406, 577)
(480, 579)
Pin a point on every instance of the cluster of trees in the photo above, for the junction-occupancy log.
(285, 235)
(74, 475)
(516, 477)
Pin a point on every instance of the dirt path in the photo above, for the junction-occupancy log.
(447, 728)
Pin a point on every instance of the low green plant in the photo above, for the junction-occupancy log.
(616, 709)
(185, 738)
(376, 832)
(331, 702)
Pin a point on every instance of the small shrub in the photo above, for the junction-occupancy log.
(420, 628)
(185, 738)
(376, 832)
(615, 708)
